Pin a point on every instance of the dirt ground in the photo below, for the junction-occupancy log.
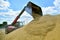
(42, 28)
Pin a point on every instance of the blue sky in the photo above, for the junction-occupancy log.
(19, 4)
(9, 9)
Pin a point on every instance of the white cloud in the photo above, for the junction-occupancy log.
(10, 12)
(4, 5)
(57, 3)
(8, 16)
(53, 10)
(49, 10)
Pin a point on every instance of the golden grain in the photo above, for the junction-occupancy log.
(42, 28)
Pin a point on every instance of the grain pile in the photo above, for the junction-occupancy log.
(42, 28)
(2, 34)
(55, 34)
